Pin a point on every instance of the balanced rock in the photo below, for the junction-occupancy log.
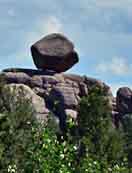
(57, 93)
(124, 100)
(54, 52)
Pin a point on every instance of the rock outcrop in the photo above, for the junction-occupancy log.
(122, 105)
(49, 90)
(124, 100)
(37, 102)
(54, 52)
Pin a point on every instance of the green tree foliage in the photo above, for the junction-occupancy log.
(127, 127)
(16, 120)
(102, 140)
(27, 146)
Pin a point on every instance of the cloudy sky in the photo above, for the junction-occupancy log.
(100, 29)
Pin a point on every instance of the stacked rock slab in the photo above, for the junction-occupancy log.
(68, 89)
(51, 87)
(54, 52)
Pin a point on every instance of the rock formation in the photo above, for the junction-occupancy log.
(124, 100)
(122, 105)
(37, 102)
(48, 86)
(54, 52)
(62, 90)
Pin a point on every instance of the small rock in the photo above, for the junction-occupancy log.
(39, 91)
(36, 81)
(71, 113)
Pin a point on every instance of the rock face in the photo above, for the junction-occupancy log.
(53, 92)
(122, 106)
(124, 100)
(37, 103)
(54, 52)
(60, 93)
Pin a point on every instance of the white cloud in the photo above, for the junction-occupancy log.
(113, 16)
(117, 66)
(52, 25)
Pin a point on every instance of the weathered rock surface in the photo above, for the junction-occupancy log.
(58, 93)
(50, 90)
(38, 103)
(124, 100)
(65, 91)
(54, 52)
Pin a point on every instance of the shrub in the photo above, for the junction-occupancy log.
(27, 146)
(101, 139)
(127, 127)
(16, 120)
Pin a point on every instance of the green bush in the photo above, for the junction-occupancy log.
(16, 121)
(27, 146)
(127, 127)
(101, 139)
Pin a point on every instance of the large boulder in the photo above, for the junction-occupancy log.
(37, 103)
(65, 94)
(124, 100)
(54, 52)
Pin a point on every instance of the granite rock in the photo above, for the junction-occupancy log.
(57, 93)
(124, 100)
(54, 52)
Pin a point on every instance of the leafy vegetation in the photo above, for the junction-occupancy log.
(102, 140)
(91, 145)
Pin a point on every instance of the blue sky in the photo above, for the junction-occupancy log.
(100, 29)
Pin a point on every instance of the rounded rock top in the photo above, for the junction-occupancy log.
(54, 52)
(55, 45)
